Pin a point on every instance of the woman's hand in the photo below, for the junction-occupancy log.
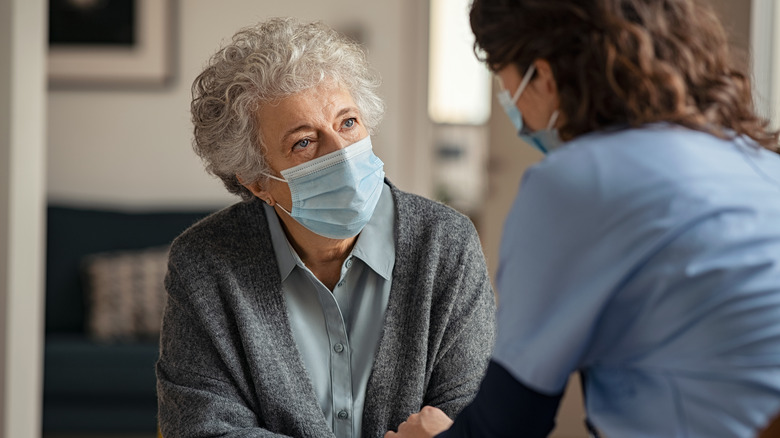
(427, 423)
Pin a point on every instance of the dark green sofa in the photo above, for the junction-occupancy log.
(89, 386)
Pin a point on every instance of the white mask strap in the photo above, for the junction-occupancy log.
(524, 82)
(274, 177)
(282, 208)
(284, 181)
(553, 119)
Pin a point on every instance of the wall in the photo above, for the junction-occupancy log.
(5, 164)
(22, 123)
(131, 147)
(735, 16)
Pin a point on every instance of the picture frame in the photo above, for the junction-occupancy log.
(145, 61)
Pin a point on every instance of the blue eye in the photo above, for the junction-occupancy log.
(302, 144)
(349, 122)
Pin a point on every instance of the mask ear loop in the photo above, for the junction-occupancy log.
(282, 208)
(524, 83)
(553, 119)
(276, 203)
(276, 178)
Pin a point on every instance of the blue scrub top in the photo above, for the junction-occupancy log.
(650, 259)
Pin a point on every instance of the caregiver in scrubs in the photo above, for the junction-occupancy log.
(644, 250)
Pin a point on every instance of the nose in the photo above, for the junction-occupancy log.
(331, 141)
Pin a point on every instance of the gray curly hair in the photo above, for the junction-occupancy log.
(262, 64)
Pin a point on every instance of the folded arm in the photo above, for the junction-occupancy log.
(464, 347)
(503, 408)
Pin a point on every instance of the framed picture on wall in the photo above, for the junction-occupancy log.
(109, 42)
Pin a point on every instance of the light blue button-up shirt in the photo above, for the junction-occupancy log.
(649, 258)
(338, 332)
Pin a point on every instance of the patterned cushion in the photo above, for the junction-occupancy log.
(126, 293)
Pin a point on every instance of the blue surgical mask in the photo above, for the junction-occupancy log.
(335, 195)
(545, 140)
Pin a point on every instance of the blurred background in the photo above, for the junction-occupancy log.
(97, 173)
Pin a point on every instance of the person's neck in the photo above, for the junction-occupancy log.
(322, 255)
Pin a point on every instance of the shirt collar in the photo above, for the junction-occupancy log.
(375, 246)
(286, 257)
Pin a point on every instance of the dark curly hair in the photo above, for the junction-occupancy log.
(626, 62)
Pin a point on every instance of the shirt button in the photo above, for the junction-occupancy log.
(338, 348)
(343, 415)
(349, 263)
(341, 283)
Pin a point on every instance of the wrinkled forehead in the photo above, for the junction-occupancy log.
(326, 85)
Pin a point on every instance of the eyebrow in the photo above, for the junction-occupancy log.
(294, 130)
(303, 127)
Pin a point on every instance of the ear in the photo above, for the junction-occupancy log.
(257, 191)
(548, 84)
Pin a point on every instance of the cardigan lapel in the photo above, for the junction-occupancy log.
(270, 304)
(395, 375)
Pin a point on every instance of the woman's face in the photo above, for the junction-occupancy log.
(305, 126)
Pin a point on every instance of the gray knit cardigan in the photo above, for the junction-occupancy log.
(229, 365)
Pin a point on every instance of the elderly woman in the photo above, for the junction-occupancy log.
(328, 302)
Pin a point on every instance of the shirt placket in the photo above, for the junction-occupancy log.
(340, 366)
